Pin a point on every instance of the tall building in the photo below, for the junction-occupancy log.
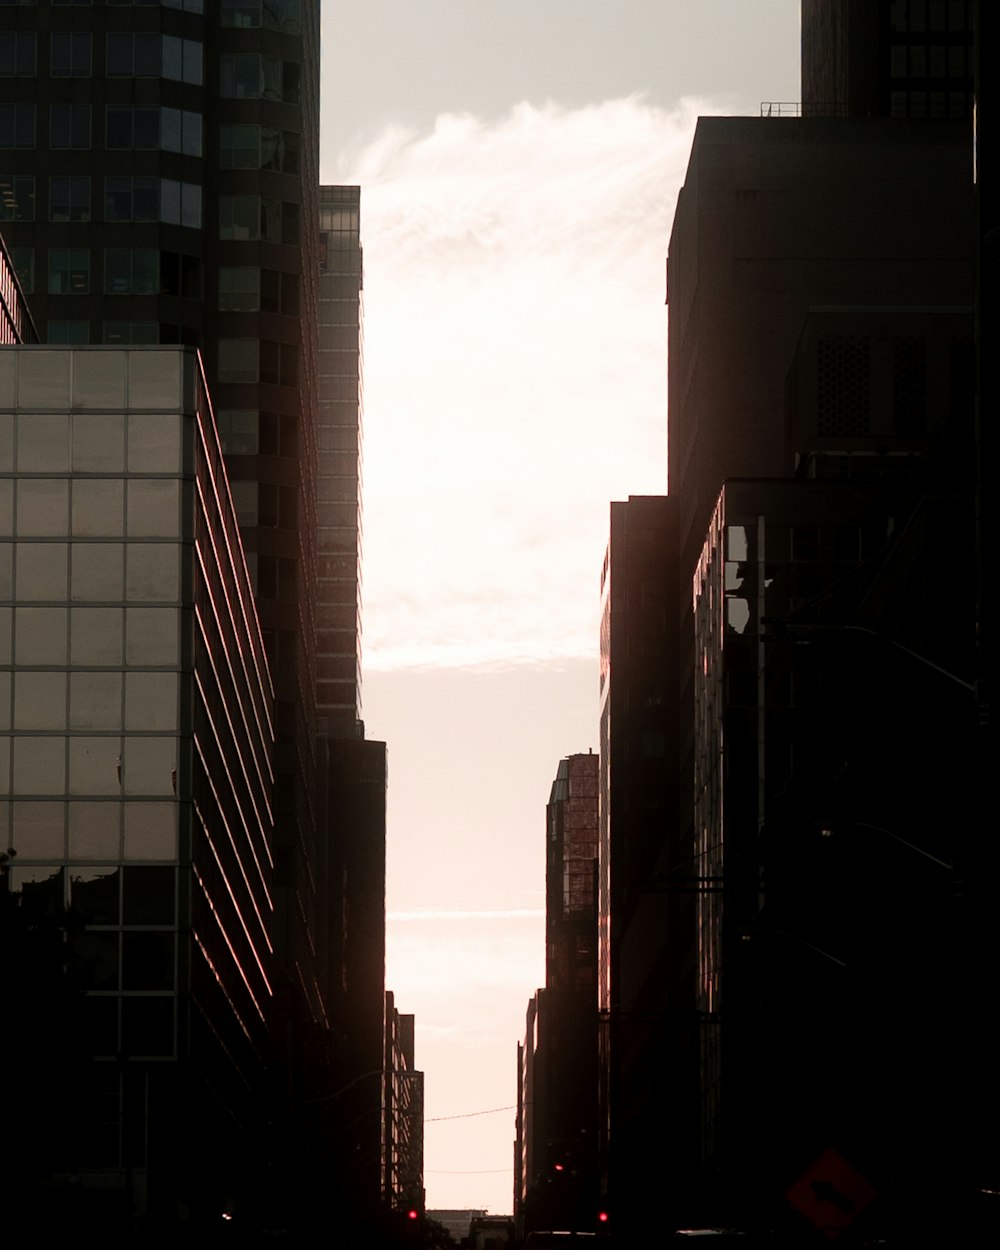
(162, 187)
(339, 445)
(556, 1179)
(137, 758)
(820, 455)
(162, 166)
(888, 58)
(646, 914)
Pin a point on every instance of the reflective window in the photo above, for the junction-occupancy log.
(97, 572)
(152, 636)
(23, 260)
(239, 289)
(41, 635)
(95, 700)
(17, 54)
(98, 508)
(69, 197)
(131, 199)
(38, 830)
(96, 636)
(93, 830)
(98, 443)
(68, 332)
(69, 125)
(149, 895)
(131, 271)
(94, 765)
(93, 892)
(39, 765)
(131, 332)
(154, 508)
(42, 507)
(17, 125)
(150, 765)
(238, 431)
(39, 701)
(238, 360)
(147, 961)
(40, 569)
(69, 270)
(70, 54)
(43, 438)
(153, 572)
(16, 198)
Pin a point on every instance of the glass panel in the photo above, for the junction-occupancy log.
(98, 508)
(149, 895)
(99, 379)
(152, 636)
(147, 961)
(93, 892)
(151, 701)
(41, 635)
(42, 507)
(94, 765)
(154, 443)
(95, 636)
(150, 766)
(95, 700)
(154, 508)
(39, 765)
(98, 960)
(153, 572)
(150, 831)
(42, 382)
(98, 443)
(154, 382)
(39, 701)
(148, 1026)
(97, 571)
(41, 570)
(38, 830)
(94, 830)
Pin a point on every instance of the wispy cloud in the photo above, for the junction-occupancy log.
(515, 371)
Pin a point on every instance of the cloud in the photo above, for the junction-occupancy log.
(515, 371)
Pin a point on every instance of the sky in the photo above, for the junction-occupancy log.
(519, 163)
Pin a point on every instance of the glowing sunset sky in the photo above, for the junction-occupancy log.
(519, 163)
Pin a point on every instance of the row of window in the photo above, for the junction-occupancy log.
(127, 271)
(125, 199)
(164, 129)
(122, 333)
(128, 54)
(245, 146)
(147, 271)
(280, 15)
(242, 76)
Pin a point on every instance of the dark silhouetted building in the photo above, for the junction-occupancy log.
(137, 757)
(556, 1177)
(403, 1117)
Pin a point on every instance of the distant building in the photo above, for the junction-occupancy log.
(403, 1116)
(138, 778)
(556, 1149)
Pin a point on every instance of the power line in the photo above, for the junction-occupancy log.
(467, 1115)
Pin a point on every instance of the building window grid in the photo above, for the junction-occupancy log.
(17, 197)
(69, 197)
(70, 54)
(18, 54)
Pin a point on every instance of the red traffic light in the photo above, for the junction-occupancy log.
(413, 1214)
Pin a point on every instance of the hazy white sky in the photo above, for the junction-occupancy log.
(519, 163)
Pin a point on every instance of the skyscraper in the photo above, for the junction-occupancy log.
(161, 187)
(136, 757)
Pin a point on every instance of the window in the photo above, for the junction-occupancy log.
(251, 76)
(17, 125)
(273, 14)
(69, 125)
(152, 199)
(180, 131)
(238, 360)
(172, 130)
(23, 260)
(17, 54)
(239, 216)
(68, 332)
(239, 147)
(130, 332)
(147, 271)
(137, 54)
(70, 54)
(131, 199)
(131, 271)
(69, 198)
(17, 197)
(127, 127)
(69, 270)
(239, 289)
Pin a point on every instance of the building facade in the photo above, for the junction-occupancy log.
(138, 779)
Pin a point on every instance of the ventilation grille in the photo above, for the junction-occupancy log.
(842, 385)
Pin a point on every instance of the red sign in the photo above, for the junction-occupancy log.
(831, 1194)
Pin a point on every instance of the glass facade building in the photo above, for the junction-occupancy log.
(136, 756)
